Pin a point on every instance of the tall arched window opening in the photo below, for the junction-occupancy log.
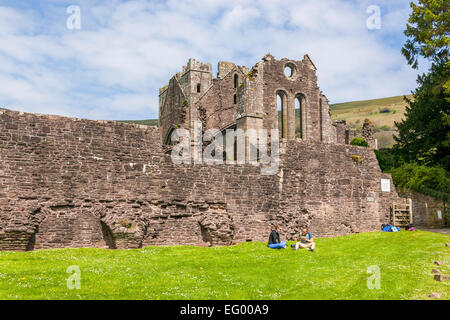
(282, 113)
(300, 105)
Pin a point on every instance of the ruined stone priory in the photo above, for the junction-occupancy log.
(68, 182)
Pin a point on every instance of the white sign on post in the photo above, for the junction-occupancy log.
(385, 185)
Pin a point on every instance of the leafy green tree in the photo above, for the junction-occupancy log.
(387, 159)
(424, 134)
(428, 31)
(432, 181)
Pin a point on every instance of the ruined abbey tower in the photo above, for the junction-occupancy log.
(79, 183)
(239, 98)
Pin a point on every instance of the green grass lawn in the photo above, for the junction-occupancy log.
(336, 270)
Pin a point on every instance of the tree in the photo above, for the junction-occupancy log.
(424, 134)
(428, 31)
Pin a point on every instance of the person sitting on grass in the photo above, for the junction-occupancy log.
(274, 239)
(305, 240)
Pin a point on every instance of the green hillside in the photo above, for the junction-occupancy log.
(382, 112)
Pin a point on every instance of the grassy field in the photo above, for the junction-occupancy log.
(383, 113)
(337, 269)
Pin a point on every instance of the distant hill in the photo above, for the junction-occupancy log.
(383, 113)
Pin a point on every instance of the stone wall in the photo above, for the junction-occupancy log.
(219, 103)
(78, 183)
(425, 209)
(334, 189)
(342, 132)
(302, 83)
(173, 111)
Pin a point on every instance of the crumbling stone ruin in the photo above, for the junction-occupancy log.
(367, 133)
(239, 98)
(78, 183)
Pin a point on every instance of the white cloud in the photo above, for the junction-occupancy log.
(329, 17)
(112, 67)
(238, 17)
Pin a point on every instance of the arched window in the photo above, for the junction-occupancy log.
(300, 109)
(282, 113)
(198, 88)
(169, 141)
(236, 80)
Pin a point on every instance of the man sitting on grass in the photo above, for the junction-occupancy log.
(305, 240)
(274, 239)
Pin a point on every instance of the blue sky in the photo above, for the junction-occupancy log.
(112, 67)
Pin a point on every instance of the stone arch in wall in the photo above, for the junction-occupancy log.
(108, 236)
(281, 97)
(167, 139)
(300, 104)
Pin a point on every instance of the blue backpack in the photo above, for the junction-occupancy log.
(390, 229)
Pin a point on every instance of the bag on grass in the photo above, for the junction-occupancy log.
(390, 228)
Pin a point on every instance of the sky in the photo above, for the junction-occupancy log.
(107, 59)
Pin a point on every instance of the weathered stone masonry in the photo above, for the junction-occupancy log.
(79, 183)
